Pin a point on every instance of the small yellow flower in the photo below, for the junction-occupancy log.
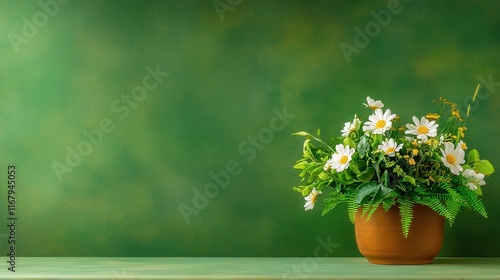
(415, 152)
(456, 114)
(414, 143)
(411, 161)
(461, 131)
(406, 156)
(445, 101)
(432, 116)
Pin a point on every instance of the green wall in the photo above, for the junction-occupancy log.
(224, 74)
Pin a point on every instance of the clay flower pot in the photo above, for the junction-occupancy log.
(381, 241)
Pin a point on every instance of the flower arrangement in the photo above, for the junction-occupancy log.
(382, 162)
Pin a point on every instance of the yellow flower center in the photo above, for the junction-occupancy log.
(343, 160)
(423, 129)
(451, 159)
(390, 150)
(314, 198)
(380, 124)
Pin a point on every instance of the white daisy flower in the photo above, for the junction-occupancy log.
(373, 104)
(311, 199)
(390, 147)
(422, 128)
(350, 127)
(379, 122)
(340, 160)
(453, 158)
(462, 145)
(475, 179)
(328, 165)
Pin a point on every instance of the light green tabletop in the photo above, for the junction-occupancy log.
(246, 268)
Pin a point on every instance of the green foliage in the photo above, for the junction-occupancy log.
(406, 212)
(334, 200)
(368, 169)
(473, 201)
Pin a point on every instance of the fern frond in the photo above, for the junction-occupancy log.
(473, 201)
(372, 210)
(454, 195)
(389, 201)
(436, 205)
(366, 208)
(439, 196)
(406, 212)
(352, 208)
(453, 208)
(333, 201)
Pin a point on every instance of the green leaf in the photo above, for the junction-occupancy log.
(409, 179)
(466, 166)
(299, 189)
(348, 175)
(354, 168)
(306, 145)
(484, 166)
(345, 179)
(361, 164)
(479, 191)
(301, 133)
(349, 142)
(377, 140)
(385, 178)
(323, 176)
(363, 146)
(366, 175)
(301, 165)
(306, 191)
(367, 191)
(383, 192)
(473, 155)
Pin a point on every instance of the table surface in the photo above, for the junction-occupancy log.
(245, 268)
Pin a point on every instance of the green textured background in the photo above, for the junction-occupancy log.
(226, 76)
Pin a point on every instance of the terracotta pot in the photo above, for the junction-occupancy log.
(381, 241)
